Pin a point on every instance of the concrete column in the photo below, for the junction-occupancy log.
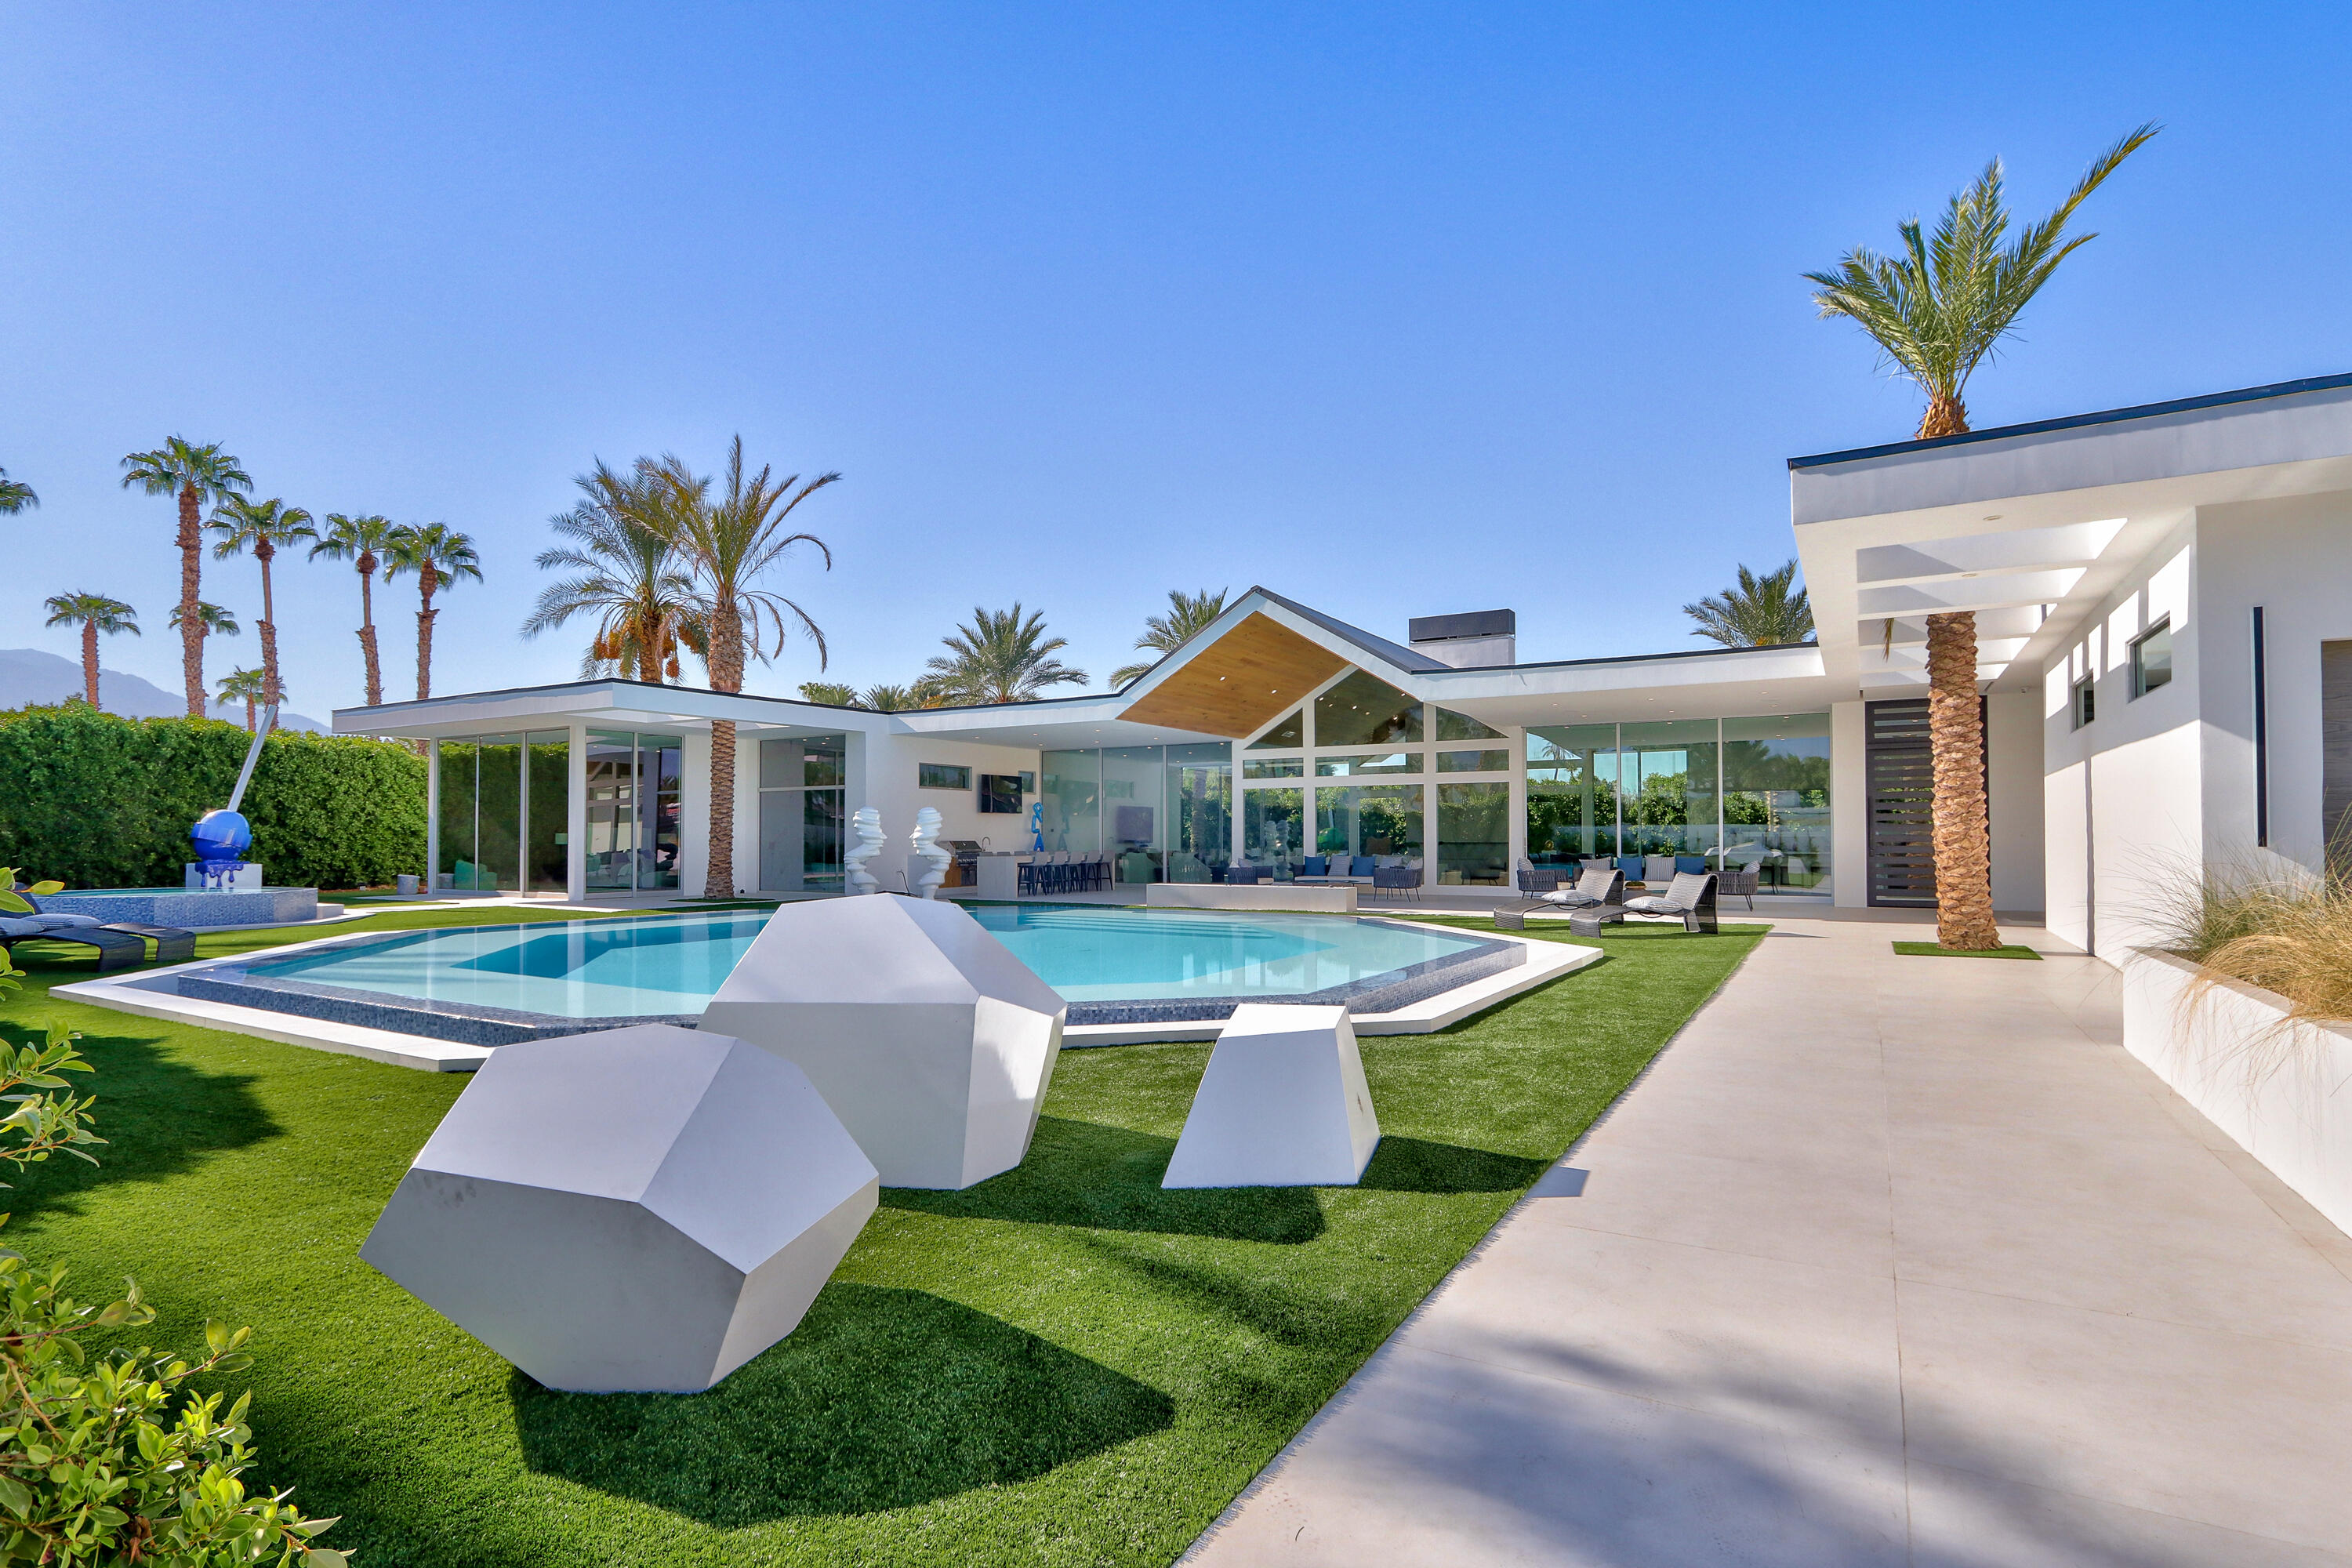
(432, 816)
(575, 816)
(1849, 807)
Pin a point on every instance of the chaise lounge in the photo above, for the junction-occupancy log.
(116, 949)
(1598, 892)
(1690, 898)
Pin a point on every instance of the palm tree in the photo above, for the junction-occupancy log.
(726, 543)
(248, 686)
(216, 621)
(15, 495)
(897, 699)
(197, 475)
(94, 613)
(439, 558)
(360, 539)
(1936, 313)
(1939, 311)
(1759, 613)
(832, 693)
(626, 573)
(264, 528)
(1189, 615)
(1001, 657)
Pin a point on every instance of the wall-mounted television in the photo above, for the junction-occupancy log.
(1000, 793)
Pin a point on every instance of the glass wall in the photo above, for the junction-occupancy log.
(1199, 811)
(1776, 798)
(1571, 793)
(547, 813)
(1668, 788)
(1743, 793)
(1072, 791)
(1274, 829)
(1363, 709)
(1132, 818)
(633, 809)
(501, 829)
(1474, 834)
(1384, 822)
(803, 815)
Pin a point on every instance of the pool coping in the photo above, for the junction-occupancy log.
(142, 995)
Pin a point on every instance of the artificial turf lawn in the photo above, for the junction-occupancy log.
(1935, 949)
(1063, 1365)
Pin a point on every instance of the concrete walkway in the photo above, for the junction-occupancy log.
(1885, 1261)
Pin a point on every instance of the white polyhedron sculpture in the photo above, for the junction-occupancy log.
(645, 1208)
(1283, 1104)
(930, 1041)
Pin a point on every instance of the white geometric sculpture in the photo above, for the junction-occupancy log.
(645, 1208)
(1283, 1104)
(930, 1041)
(866, 823)
(927, 848)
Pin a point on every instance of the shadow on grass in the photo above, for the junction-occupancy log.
(159, 1116)
(1417, 1165)
(882, 1398)
(1096, 1177)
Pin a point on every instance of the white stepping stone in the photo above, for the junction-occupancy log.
(1283, 1104)
(930, 1041)
(645, 1208)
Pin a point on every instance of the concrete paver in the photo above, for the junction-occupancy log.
(1885, 1260)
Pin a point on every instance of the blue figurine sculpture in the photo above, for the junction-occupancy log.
(1037, 826)
(221, 838)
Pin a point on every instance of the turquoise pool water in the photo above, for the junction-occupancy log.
(674, 963)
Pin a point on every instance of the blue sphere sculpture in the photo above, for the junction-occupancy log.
(221, 838)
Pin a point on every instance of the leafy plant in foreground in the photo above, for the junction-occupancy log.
(111, 1457)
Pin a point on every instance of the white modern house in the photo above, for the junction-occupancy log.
(2164, 602)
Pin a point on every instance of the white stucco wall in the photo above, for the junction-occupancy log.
(2123, 795)
(1849, 807)
(2013, 759)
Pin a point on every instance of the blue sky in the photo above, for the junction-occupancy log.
(1400, 311)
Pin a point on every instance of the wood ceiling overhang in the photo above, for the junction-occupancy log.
(1239, 683)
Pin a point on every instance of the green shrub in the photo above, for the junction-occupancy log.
(112, 1457)
(96, 800)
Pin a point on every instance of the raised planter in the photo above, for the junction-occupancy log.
(2284, 1096)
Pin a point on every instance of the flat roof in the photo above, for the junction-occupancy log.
(2076, 421)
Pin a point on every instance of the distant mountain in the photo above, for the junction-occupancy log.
(28, 674)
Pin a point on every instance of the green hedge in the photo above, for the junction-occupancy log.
(99, 801)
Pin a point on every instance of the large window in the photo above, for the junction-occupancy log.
(804, 816)
(1072, 791)
(1668, 784)
(633, 809)
(1474, 834)
(1743, 793)
(1274, 830)
(1382, 822)
(1776, 798)
(1571, 793)
(1365, 711)
(1199, 811)
(1288, 736)
(504, 811)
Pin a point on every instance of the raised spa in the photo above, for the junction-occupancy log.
(490, 985)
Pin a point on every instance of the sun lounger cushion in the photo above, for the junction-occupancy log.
(21, 925)
(1680, 898)
(68, 922)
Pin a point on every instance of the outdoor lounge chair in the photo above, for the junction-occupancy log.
(173, 944)
(1398, 882)
(1690, 898)
(116, 949)
(1602, 887)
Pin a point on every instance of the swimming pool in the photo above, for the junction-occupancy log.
(489, 985)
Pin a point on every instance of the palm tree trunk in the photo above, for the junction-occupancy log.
(427, 580)
(89, 661)
(367, 634)
(192, 624)
(1946, 416)
(250, 719)
(271, 692)
(1964, 920)
(726, 675)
